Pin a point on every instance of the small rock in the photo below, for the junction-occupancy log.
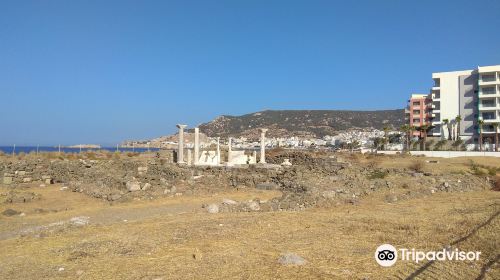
(63, 188)
(42, 186)
(253, 205)
(115, 196)
(146, 186)
(79, 221)
(229, 201)
(291, 259)
(329, 194)
(61, 269)
(267, 186)
(213, 208)
(197, 255)
(7, 180)
(133, 186)
(26, 180)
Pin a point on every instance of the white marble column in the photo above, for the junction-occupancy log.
(189, 156)
(196, 145)
(180, 151)
(218, 150)
(229, 156)
(263, 145)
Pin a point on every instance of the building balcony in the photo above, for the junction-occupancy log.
(489, 131)
(489, 95)
(489, 81)
(497, 120)
(492, 107)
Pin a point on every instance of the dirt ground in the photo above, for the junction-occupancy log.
(70, 235)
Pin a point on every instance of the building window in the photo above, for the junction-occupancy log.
(416, 103)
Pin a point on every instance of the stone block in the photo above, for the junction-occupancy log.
(7, 180)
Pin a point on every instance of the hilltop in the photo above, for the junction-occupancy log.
(303, 123)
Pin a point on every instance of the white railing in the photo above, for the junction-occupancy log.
(446, 154)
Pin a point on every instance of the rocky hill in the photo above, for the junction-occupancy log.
(304, 123)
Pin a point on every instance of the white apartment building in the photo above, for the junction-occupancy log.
(489, 97)
(471, 94)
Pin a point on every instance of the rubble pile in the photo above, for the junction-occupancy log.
(313, 179)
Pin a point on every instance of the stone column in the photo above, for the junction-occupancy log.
(180, 151)
(218, 150)
(189, 157)
(263, 145)
(229, 156)
(196, 145)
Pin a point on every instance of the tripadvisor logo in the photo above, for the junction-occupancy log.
(386, 255)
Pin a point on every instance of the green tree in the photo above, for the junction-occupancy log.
(495, 126)
(458, 119)
(424, 130)
(386, 132)
(480, 123)
(406, 129)
(447, 123)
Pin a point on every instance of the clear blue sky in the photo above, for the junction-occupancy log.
(104, 71)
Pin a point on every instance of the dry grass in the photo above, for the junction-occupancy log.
(337, 242)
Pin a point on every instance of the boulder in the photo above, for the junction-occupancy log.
(213, 208)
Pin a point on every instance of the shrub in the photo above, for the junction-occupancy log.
(428, 144)
(377, 174)
(481, 170)
(439, 145)
(492, 171)
(417, 166)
